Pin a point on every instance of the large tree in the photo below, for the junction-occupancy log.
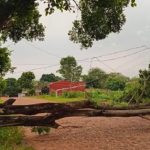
(49, 78)
(69, 69)
(95, 78)
(20, 19)
(26, 80)
(12, 87)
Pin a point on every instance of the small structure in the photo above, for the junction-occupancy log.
(61, 86)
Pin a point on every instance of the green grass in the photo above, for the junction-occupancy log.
(11, 139)
(1, 101)
(105, 97)
(59, 99)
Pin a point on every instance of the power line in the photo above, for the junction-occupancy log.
(126, 55)
(121, 51)
(42, 50)
(37, 68)
(100, 61)
(117, 52)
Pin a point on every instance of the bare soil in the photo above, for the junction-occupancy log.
(92, 133)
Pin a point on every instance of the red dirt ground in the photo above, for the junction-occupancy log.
(95, 133)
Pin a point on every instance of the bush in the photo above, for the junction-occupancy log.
(45, 90)
(31, 92)
(104, 97)
(11, 139)
(72, 94)
(41, 130)
(132, 91)
(116, 81)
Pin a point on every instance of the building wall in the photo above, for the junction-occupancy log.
(62, 86)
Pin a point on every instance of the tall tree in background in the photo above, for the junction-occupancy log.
(95, 78)
(49, 78)
(12, 87)
(26, 80)
(69, 69)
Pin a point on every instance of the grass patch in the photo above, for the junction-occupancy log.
(59, 99)
(11, 139)
(1, 101)
(105, 97)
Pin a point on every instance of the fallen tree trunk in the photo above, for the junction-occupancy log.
(8, 108)
(58, 111)
(49, 120)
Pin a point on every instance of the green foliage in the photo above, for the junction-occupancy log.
(41, 130)
(116, 81)
(98, 19)
(5, 63)
(45, 90)
(59, 99)
(104, 97)
(132, 91)
(31, 92)
(69, 69)
(20, 19)
(11, 139)
(26, 80)
(2, 85)
(49, 78)
(138, 89)
(72, 94)
(96, 78)
(12, 87)
(145, 81)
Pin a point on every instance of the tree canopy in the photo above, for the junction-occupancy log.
(12, 87)
(26, 80)
(95, 78)
(20, 19)
(49, 78)
(69, 69)
(5, 63)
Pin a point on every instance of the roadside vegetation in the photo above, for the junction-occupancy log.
(64, 98)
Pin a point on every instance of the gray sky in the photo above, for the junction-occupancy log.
(37, 55)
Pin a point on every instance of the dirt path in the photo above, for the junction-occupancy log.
(95, 133)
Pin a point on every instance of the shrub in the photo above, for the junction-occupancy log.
(72, 94)
(132, 91)
(11, 139)
(41, 130)
(31, 92)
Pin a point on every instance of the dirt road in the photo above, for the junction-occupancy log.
(95, 133)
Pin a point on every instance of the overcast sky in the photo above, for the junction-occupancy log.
(44, 57)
